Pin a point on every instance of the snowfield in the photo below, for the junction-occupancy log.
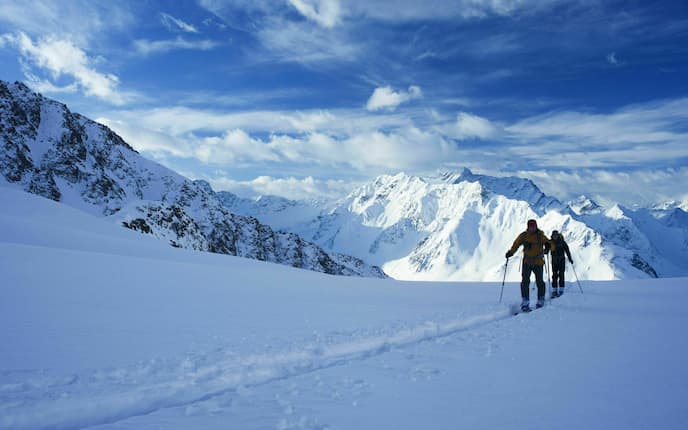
(105, 328)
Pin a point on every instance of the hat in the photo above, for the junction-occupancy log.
(554, 232)
(532, 223)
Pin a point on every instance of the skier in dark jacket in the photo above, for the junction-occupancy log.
(559, 247)
(535, 246)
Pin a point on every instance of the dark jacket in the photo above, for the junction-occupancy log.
(559, 247)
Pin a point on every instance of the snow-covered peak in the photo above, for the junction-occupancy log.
(511, 187)
(583, 205)
(673, 204)
(616, 212)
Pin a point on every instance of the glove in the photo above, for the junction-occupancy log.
(509, 254)
(570, 261)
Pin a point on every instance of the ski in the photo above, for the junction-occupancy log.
(516, 309)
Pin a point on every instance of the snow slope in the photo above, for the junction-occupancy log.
(104, 328)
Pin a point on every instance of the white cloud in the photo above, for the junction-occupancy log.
(325, 12)
(637, 135)
(633, 187)
(311, 121)
(81, 21)
(60, 57)
(469, 126)
(155, 143)
(147, 47)
(175, 24)
(387, 98)
(288, 187)
(45, 86)
(413, 10)
(316, 139)
(306, 43)
(234, 145)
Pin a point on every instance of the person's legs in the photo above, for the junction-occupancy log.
(526, 269)
(555, 278)
(525, 280)
(540, 284)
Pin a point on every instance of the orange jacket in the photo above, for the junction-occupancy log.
(535, 245)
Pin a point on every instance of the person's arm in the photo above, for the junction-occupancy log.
(551, 245)
(568, 253)
(514, 247)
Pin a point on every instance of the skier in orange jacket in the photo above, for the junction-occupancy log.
(535, 246)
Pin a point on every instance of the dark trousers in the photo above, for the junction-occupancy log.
(526, 270)
(558, 269)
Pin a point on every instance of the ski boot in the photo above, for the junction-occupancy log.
(540, 302)
(525, 305)
(561, 292)
(555, 293)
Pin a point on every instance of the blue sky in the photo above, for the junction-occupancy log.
(307, 98)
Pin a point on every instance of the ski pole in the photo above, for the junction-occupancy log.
(503, 279)
(577, 281)
(549, 286)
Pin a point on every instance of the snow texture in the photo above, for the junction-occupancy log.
(105, 328)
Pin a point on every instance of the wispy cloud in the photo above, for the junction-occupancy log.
(81, 21)
(176, 24)
(147, 47)
(325, 12)
(411, 10)
(61, 57)
(387, 98)
(640, 186)
(306, 43)
(652, 122)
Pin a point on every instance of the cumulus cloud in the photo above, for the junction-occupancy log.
(324, 12)
(234, 145)
(61, 57)
(175, 24)
(469, 126)
(147, 47)
(320, 139)
(289, 187)
(387, 98)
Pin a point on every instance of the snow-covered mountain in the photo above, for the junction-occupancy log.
(47, 150)
(458, 225)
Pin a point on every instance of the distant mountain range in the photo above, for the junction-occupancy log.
(451, 226)
(458, 225)
(47, 150)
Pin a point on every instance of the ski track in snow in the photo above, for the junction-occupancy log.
(47, 404)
